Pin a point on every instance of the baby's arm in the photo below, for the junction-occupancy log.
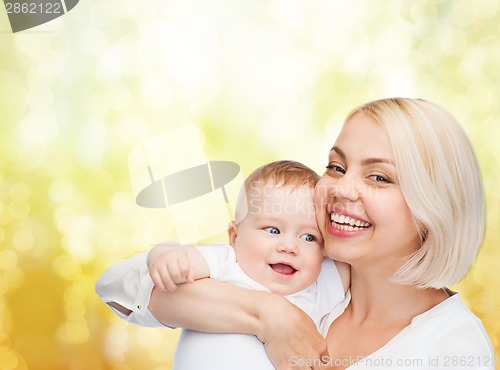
(171, 265)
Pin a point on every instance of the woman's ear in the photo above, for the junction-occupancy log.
(232, 232)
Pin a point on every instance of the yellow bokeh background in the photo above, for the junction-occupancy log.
(262, 80)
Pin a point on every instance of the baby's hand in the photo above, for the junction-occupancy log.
(169, 266)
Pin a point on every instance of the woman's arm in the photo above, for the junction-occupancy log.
(288, 334)
(205, 306)
(212, 306)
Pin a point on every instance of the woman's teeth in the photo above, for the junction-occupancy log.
(347, 223)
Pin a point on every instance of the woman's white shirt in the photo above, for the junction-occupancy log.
(448, 336)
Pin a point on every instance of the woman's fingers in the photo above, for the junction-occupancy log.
(290, 336)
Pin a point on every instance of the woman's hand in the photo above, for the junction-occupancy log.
(289, 335)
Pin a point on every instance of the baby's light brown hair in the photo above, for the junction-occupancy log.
(282, 173)
(278, 174)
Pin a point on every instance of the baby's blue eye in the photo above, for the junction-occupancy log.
(308, 237)
(272, 230)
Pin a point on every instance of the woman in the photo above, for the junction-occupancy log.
(402, 202)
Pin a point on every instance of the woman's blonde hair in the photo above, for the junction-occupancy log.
(441, 183)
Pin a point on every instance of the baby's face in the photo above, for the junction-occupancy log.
(278, 243)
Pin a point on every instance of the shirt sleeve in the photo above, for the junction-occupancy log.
(330, 291)
(217, 257)
(128, 283)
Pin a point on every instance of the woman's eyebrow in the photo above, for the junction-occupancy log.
(339, 151)
(369, 161)
(364, 162)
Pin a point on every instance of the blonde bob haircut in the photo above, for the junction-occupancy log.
(441, 183)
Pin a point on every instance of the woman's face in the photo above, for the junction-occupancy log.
(361, 211)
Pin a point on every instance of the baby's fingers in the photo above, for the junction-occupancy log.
(186, 273)
(157, 280)
(168, 278)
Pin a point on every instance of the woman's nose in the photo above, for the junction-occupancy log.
(345, 187)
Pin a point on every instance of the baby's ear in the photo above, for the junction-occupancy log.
(232, 232)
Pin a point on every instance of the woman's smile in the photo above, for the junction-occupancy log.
(345, 225)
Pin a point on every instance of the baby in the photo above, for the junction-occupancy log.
(275, 245)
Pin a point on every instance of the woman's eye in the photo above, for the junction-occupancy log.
(379, 178)
(335, 168)
(308, 237)
(272, 230)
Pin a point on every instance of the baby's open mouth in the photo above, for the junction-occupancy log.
(283, 268)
